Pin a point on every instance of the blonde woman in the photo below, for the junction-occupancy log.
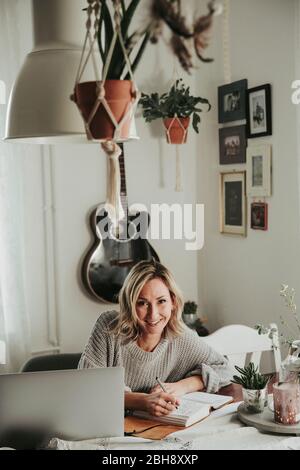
(149, 339)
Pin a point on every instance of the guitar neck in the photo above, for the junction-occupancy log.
(123, 189)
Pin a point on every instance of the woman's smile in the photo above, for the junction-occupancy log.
(154, 309)
(153, 323)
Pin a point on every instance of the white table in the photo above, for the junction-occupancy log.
(221, 430)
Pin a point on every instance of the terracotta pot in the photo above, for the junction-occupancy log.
(175, 130)
(118, 94)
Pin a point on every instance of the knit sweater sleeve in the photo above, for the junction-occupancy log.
(100, 350)
(214, 368)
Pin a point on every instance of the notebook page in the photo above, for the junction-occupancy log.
(215, 401)
(186, 408)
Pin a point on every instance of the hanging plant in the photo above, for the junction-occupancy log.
(176, 108)
(107, 104)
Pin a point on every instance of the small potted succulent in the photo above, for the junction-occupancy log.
(254, 387)
(191, 319)
(175, 108)
(189, 312)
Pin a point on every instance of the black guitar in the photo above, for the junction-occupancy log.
(115, 249)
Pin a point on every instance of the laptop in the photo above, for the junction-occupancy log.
(68, 404)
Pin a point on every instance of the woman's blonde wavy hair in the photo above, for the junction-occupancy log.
(126, 325)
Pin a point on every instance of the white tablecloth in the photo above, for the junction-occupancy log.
(221, 430)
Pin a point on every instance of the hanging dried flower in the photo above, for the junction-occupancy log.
(164, 11)
(156, 31)
(168, 12)
(182, 53)
(202, 29)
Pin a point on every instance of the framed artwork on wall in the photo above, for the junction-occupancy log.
(233, 203)
(232, 101)
(259, 170)
(259, 118)
(259, 216)
(232, 142)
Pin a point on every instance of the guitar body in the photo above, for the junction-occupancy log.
(118, 246)
(109, 260)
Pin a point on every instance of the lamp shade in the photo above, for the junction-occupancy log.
(39, 108)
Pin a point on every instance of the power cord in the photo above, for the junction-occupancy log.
(127, 434)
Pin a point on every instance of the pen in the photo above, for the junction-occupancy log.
(163, 388)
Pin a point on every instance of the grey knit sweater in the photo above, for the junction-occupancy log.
(171, 360)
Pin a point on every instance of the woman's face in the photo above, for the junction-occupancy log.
(154, 307)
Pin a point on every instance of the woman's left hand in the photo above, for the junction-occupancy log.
(177, 388)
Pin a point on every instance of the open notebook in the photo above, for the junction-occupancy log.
(193, 407)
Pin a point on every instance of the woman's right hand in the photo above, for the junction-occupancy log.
(160, 403)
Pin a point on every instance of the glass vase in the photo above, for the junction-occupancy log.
(290, 366)
(255, 400)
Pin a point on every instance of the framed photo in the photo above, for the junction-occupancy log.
(259, 216)
(233, 203)
(259, 170)
(232, 101)
(259, 119)
(232, 145)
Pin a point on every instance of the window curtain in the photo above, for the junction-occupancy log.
(14, 323)
(297, 78)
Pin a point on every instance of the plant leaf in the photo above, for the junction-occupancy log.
(139, 54)
(196, 122)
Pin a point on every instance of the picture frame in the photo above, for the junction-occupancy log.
(259, 111)
(233, 219)
(259, 216)
(232, 101)
(232, 144)
(259, 170)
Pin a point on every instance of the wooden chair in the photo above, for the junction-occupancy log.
(242, 344)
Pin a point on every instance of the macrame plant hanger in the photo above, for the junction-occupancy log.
(95, 7)
(109, 145)
(178, 185)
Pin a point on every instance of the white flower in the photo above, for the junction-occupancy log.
(284, 288)
(288, 295)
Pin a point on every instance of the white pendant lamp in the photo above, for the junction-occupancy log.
(40, 110)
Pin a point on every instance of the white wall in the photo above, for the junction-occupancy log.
(79, 183)
(239, 278)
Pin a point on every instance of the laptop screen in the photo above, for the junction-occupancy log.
(68, 404)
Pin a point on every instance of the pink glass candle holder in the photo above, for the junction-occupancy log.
(286, 403)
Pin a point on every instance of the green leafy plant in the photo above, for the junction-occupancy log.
(159, 14)
(177, 102)
(137, 40)
(250, 378)
(189, 308)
